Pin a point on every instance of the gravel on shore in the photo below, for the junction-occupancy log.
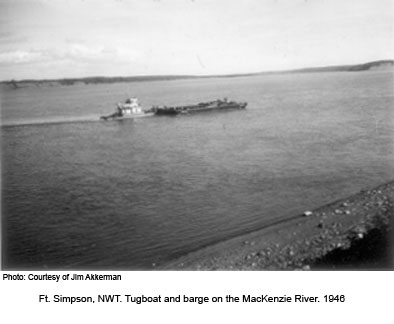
(351, 234)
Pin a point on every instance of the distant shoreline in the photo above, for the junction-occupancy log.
(15, 84)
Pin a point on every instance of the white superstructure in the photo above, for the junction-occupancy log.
(130, 107)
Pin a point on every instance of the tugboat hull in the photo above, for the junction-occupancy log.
(110, 117)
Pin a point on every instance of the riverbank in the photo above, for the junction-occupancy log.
(351, 234)
(17, 84)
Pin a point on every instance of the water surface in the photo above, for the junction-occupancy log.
(80, 193)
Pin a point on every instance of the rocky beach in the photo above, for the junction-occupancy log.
(354, 233)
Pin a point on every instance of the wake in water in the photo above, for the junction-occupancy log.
(57, 120)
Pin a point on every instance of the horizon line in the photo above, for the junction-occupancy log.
(150, 76)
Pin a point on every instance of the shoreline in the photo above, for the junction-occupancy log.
(68, 81)
(354, 233)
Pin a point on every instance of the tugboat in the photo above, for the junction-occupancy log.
(200, 107)
(130, 109)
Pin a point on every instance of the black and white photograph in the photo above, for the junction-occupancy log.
(197, 135)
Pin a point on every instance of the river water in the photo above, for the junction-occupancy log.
(78, 193)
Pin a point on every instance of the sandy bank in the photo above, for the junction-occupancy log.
(354, 233)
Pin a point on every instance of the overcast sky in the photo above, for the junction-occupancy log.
(59, 38)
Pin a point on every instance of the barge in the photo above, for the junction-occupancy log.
(200, 107)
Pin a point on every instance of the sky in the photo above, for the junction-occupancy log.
(50, 39)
